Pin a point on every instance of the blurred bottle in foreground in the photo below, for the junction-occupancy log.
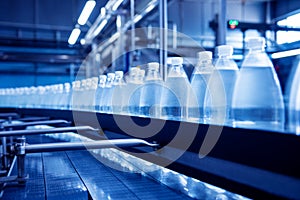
(257, 100)
(294, 99)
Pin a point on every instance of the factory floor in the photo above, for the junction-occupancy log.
(79, 175)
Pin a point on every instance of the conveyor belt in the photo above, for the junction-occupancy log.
(78, 175)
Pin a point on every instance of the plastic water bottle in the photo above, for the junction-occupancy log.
(199, 81)
(218, 97)
(99, 92)
(151, 92)
(66, 96)
(294, 100)
(177, 92)
(107, 94)
(118, 92)
(130, 86)
(257, 100)
(92, 84)
(132, 96)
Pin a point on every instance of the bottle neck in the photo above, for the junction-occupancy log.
(257, 50)
(153, 75)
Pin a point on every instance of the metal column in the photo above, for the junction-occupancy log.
(163, 34)
(221, 31)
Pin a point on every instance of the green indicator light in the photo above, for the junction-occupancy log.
(233, 22)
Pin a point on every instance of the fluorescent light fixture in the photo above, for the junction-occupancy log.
(137, 18)
(116, 5)
(82, 41)
(86, 12)
(103, 11)
(150, 7)
(119, 21)
(100, 27)
(74, 36)
(284, 54)
(237, 57)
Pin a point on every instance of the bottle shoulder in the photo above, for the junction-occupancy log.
(226, 64)
(257, 60)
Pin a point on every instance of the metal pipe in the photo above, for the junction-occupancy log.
(163, 44)
(46, 122)
(6, 115)
(20, 147)
(46, 131)
(27, 119)
(221, 31)
(66, 146)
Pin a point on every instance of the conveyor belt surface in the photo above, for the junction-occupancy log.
(79, 175)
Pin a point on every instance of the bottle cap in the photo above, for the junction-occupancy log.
(204, 55)
(153, 65)
(102, 77)
(133, 70)
(111, 75)
(141, 72)
(224, 50)
(177, 61)
(256, 42)
(119, 73)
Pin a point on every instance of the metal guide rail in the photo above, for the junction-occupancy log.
(253, 163)
(15, 149)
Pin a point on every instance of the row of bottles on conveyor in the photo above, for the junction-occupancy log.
(218, 93)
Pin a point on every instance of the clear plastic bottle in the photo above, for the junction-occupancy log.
(130, 87)
(294, 100)
(151, 92)
(257, 100)
(176, 93)
(218, 97)
(92, 84)
(118, 92)
(99, 92)
(107, 94)
(66, 96)
(132, 95)
(199, 81)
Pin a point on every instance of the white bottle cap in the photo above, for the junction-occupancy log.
(177, 61)
(141, 73)
(256, 42)
(133, 70)
(204, 55)
(153, 65)
(111, 75)
(119, 73)
(102, 77)
(224, 50)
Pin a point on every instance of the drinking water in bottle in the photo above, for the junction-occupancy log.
(133, 91)
(99, 92)
(151, 92)
(294, 99)
(199, 81)
(118, 92)
(176, 93)
(218, 97)
(257, 99)
(107, 94)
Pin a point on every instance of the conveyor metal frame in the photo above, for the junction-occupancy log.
(21, 149)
